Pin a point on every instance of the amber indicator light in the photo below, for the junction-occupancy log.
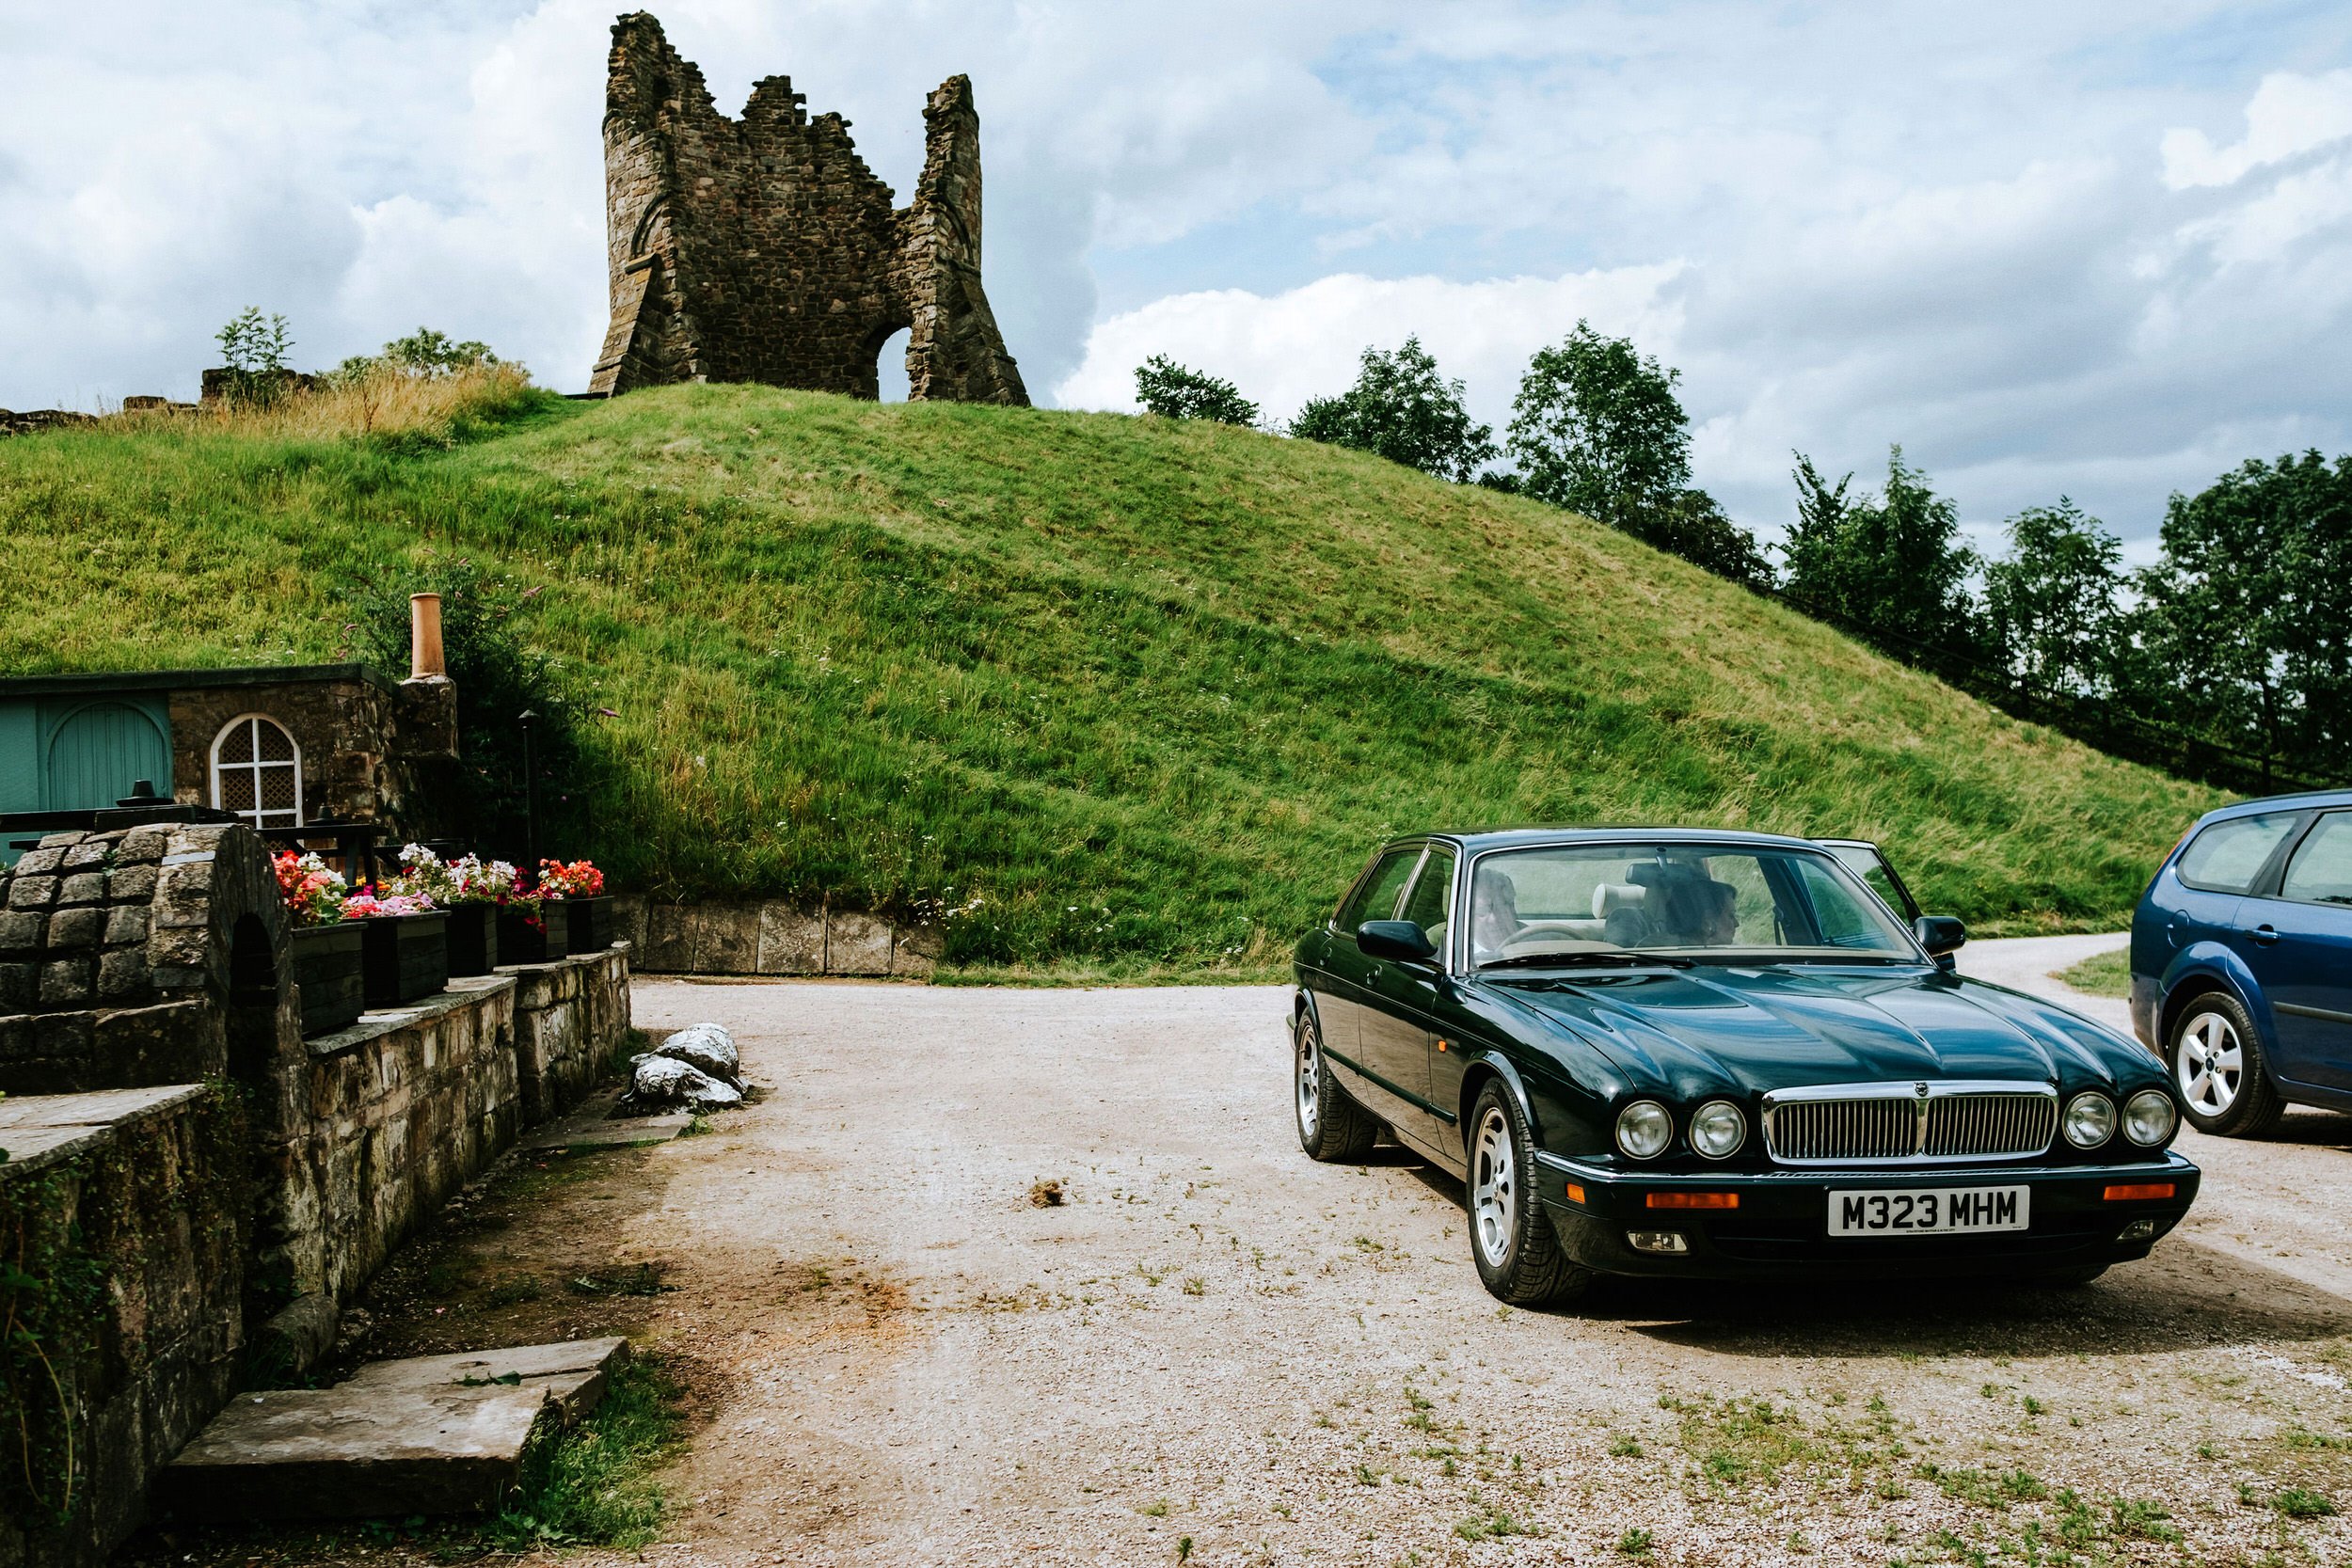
(1693, 1200)
(2130, 1190)
(1576, 1193)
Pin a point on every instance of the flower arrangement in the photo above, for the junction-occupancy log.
(557, 880)
(470, 880)
(313, 894)
(367, 904)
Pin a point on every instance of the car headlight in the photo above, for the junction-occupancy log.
(2089, 1119)
(1645, 1129)
(1718, 1128)
(2149, 1117)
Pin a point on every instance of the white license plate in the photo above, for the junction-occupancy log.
(1926, 1210)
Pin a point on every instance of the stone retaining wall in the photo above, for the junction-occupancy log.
(770, 937)
(134, 962)
(149, 1184)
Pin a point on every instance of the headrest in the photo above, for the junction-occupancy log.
(1609, 897)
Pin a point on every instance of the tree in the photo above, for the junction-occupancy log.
(1174, 391)
(2051, 609)
(425, 352)
(254, 348)
(1890, 566)
(1597, 428)
(1401, 409)
(2246, 620)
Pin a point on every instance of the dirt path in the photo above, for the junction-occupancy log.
(1214, 1349)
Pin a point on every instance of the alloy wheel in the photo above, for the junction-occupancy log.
(2211, 1065)
(1309, 1082)
(1494, 1187)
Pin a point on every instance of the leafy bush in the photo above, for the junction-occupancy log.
(254, 348)
(499, 677)
(1174, 391)
(1401, 409)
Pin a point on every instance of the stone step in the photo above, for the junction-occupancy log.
(432, 1435)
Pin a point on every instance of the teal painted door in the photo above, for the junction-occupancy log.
(97, 749)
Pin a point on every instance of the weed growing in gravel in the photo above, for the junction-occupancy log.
(1195, 1286)
(593, 1484)
(1634, 1543)
(1740, 1440)
(1624, 1448)
(2141, 1518)
(1490, 1524)
(1156, 1509)
(1986, 1491)
(2302, 1502)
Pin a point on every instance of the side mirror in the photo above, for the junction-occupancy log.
(1399, 941)
(1940, 934)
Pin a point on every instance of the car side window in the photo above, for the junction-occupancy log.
(1375, 896)
(2321, 871)
(1430, 905)
(2228, 856)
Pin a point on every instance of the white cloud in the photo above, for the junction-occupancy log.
(1285, 348)
(2288, 114)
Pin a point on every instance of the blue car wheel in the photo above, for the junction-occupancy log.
(2217, 1065)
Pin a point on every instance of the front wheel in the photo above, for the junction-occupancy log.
(1331, 1126)
(1518, 1254)
(2217, 1066)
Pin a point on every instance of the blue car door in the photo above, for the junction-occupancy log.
(2301, 953)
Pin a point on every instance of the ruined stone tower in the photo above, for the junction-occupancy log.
(764, 249)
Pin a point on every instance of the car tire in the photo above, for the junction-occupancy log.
(1331, 1126)
(1513, 1242)
(2218, 1066)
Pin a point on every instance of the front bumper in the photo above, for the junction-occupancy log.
(1780, 1226)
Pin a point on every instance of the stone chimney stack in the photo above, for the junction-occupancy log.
(425, 661)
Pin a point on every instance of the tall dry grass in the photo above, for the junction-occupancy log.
(386, 400)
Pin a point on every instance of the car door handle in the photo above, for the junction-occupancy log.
(2265, 935)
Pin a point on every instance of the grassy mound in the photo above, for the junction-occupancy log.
(1106, 694)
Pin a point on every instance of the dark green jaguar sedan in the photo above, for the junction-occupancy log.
(1718, 1055)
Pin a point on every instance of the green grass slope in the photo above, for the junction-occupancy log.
(1128, 695)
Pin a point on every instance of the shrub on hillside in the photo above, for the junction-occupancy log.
(1178, 392)
(1401, 409)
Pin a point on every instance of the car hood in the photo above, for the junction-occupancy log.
(1751, 1030)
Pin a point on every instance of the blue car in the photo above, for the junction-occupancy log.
(2242, 962)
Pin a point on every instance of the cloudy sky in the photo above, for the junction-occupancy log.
(2081, 248)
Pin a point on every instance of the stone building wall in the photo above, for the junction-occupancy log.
(372, 750)
(764, 249)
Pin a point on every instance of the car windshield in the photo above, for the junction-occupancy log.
(1737, 903)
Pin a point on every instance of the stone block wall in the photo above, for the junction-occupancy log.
(372, 749)
(234, 1219)
(764, 249)
(149, 1184)
(772, 937)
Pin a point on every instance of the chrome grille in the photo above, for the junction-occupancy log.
(1894, 1123)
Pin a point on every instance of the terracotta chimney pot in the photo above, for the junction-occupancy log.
(424, 636)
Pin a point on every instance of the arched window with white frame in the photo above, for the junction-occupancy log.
(257, 771)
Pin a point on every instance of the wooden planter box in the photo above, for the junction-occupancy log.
(326, 966)
(588, 924)
(404, 956)
(473, 939)
(519, 941)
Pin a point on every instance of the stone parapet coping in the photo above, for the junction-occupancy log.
(39, 1130)
(464, 991)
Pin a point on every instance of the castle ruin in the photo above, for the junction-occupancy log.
(764, 249)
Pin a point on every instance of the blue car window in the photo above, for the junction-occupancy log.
(2321, 871)
(2228, 856)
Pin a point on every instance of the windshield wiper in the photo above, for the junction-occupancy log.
(1626, 959)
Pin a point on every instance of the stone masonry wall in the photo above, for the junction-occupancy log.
(371, 752)
(150, 1185)
(764, 249)
(772, 937)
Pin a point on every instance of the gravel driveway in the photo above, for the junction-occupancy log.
(1214, 1349)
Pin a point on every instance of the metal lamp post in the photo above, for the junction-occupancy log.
(531, 795)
